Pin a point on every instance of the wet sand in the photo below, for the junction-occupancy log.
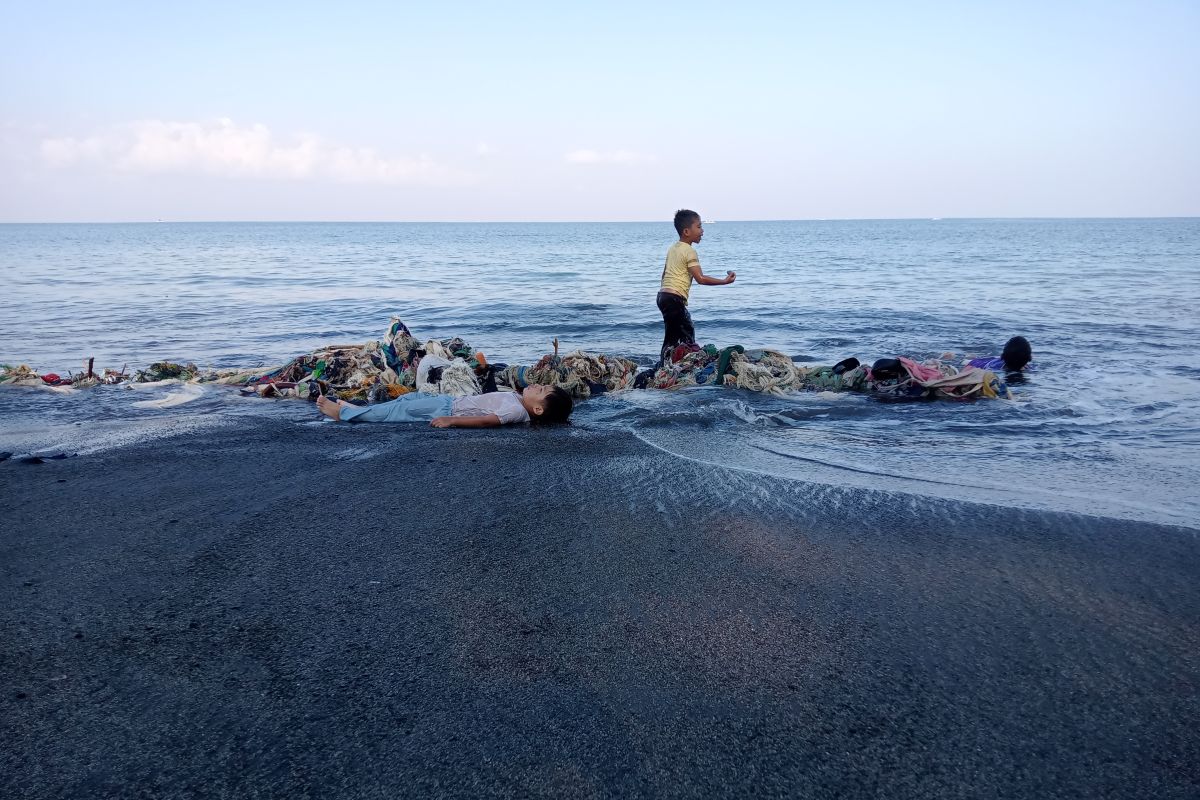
(273, 609)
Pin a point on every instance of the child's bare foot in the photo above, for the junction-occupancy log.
(330, 408)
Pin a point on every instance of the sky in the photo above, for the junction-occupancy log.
(616, 111)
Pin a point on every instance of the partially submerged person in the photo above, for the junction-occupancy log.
(1016, 354)
(1015, 357)
(538, 404)
(901, 376)
(682, 267)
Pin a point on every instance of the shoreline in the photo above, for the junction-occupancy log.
(285, 608)
(57, 421)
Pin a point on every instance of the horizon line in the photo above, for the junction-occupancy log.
(570, 222)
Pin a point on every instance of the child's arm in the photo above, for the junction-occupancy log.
(486, 421)
(705, 280)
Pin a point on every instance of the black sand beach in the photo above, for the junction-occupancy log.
(281, 610)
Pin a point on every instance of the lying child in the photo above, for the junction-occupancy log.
(540, 404)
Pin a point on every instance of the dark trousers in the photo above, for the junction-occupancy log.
(678, 323)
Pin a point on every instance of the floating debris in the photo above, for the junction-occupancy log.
(382, 370)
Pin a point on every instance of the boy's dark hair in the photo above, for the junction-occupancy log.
(557, 408)
(685, 218)
(1017, 353)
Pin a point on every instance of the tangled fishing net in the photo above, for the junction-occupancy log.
(386, 368)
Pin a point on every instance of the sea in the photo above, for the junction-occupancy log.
(1106, 423)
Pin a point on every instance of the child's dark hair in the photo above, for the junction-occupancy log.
(1017, 353)
(685, 218)
(557, 408)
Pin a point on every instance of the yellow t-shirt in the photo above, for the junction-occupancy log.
(675, 276)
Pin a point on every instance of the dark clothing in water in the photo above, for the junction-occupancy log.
(678, 323)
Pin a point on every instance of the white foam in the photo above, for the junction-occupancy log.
(753, 458)
(97, 437)
(187, 393)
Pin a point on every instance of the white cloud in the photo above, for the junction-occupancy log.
(222, 147)
(483, 149)
(609, 157)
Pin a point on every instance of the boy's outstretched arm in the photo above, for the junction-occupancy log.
(706, 280)
(486, 421)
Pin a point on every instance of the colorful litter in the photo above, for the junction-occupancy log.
(391, 366)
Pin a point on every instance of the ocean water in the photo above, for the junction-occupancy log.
(1108, 422)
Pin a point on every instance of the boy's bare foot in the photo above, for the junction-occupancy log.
(330, 408)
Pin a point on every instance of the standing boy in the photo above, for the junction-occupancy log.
(683, 266)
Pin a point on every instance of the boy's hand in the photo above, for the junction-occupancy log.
(730, 277)
(442, 422)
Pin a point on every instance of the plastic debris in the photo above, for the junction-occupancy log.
(381, 370)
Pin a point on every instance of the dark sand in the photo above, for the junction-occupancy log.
(283, 610)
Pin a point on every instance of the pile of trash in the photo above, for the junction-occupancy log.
(775, 373)
(24, 376)
(579, 373)
(392, 366)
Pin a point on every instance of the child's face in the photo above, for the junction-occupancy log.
(534, 397)
(537, 392)
(694, 232)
